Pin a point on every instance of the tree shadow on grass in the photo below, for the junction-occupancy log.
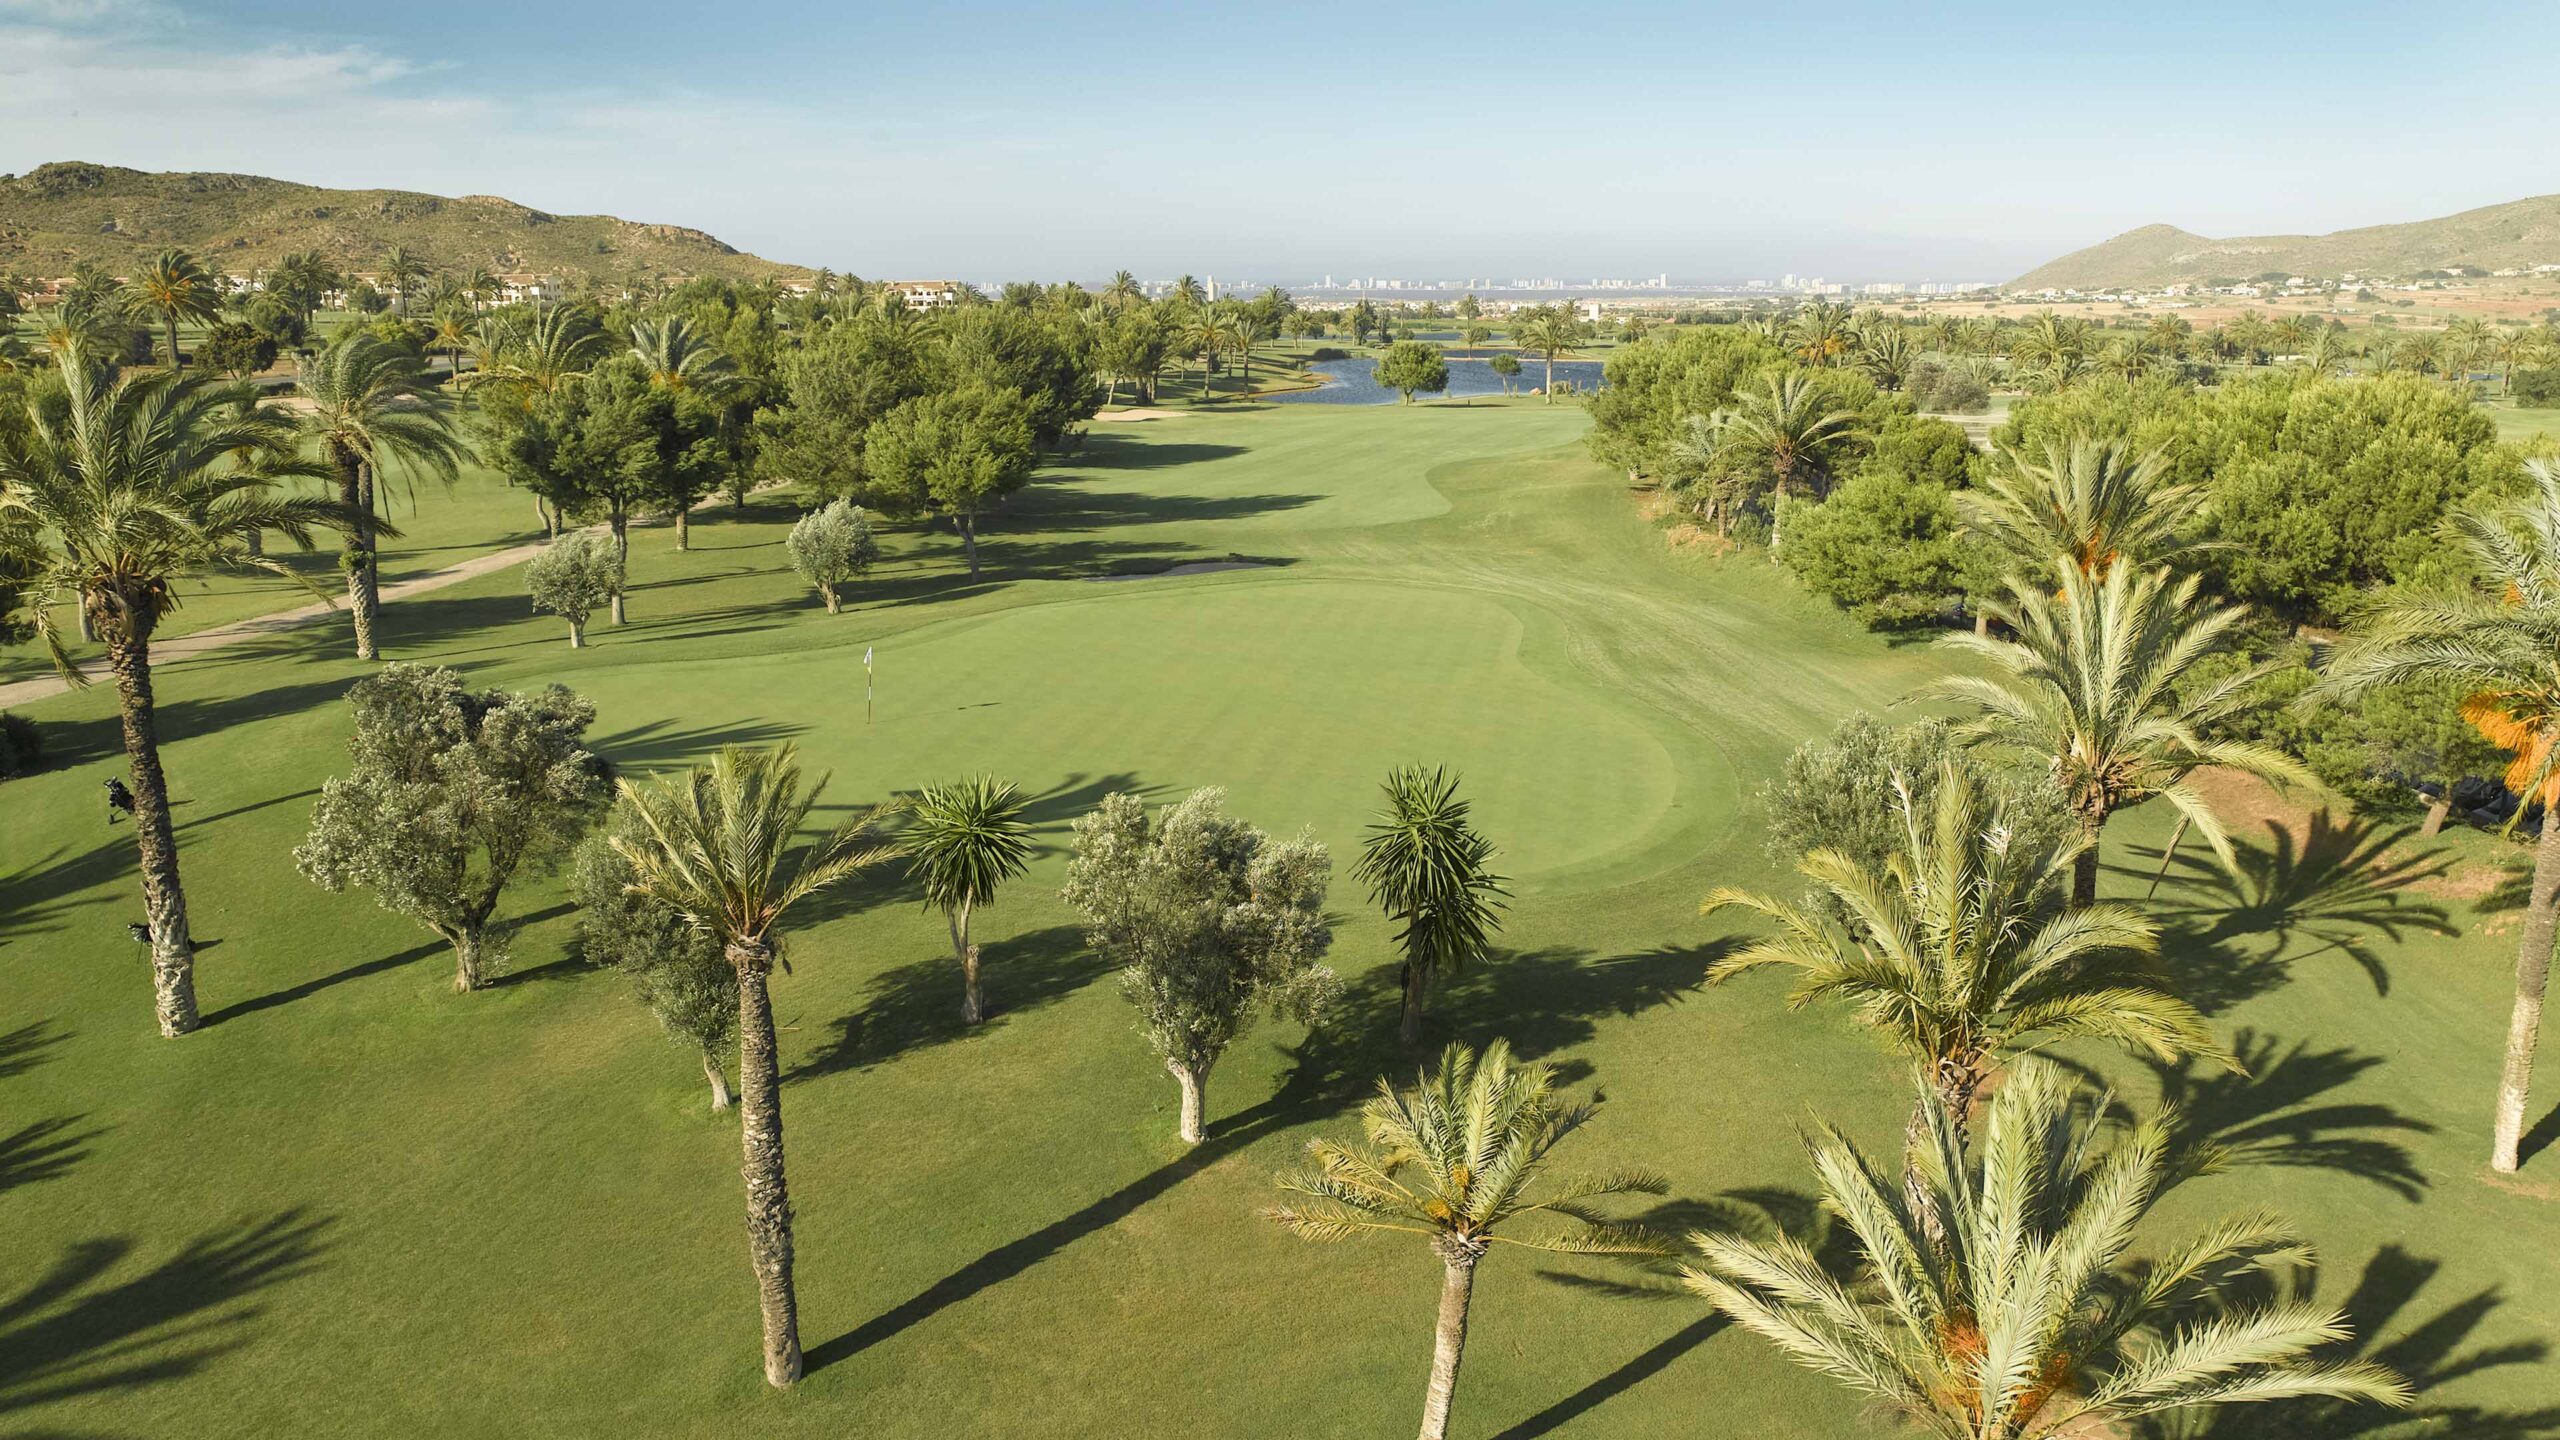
(43, 1150)
(38, 900)
(1543, 1000)
(916, 1005)
(2429, 1352)
(28, 1046)
(74, 1331)
(667, 744)
(2286, 1110)
(2338, 887)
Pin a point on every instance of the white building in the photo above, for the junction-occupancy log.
(924, 294)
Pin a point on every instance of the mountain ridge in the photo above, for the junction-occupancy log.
(67, 211)
(2515, 233)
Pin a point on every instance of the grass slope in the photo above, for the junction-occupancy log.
(358, 1203)
(58, 214)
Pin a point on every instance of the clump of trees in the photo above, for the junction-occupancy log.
(1211, 922)
(454, 793)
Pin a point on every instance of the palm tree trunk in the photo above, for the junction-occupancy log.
(164, 900)
(1551, 378)
(1417, 986)
(2533, 972)
(175, 364)
(352, 558)
(622, 557)
(972, 1005)
(768, 1197)
(2084, 866)
(1458, 1257)
(719, 1079)
(1194, 1080)
(372, 556)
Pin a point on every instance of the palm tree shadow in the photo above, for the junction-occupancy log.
(72, 1331)
(2337, 886)
(29, 1046)
(916, 1005)
(43, 1150)
(2430, 1354)
(1541, 999)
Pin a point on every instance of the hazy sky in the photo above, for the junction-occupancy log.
(992, 140)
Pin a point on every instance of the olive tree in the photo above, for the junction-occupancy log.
(454, 793)
(574, 578)
(1210, 921)
(833, 547)
(675, 967)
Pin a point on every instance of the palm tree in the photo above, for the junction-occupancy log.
(538, 350)
(1886, 353)
(2170, 334)
(2089, 682)
(1821, 334)
(677, 356)
(404, 268)
(1547, 331)
(2516, 348)
(1248, 329)
(367, 403)
(105, 502)
(452, 335)
(1960, 951)
(1207, 336)
(715, 850)
(1430, 870)
(1785, 436)
(2025, 1317)
(1456, 1160)
(1123, 290)
(172, 288)
(965, 839)
(2127, 357)
(482, 285)
(2092, 502)
(2501, 642)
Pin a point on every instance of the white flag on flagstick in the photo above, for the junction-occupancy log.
(866, 657)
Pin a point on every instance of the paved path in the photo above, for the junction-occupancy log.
(197, 643)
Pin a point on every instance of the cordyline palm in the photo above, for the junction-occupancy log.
(1431, 871)
(1455, 1160)
(1784, 437)
(2028, 1318)
(963, 840)
(2088, 682)
(715, 847)
(172, 288)
(104, 504)
(366, 404)
(1960, 951)
(678, 357)
(2094, 503)
(2502, 643)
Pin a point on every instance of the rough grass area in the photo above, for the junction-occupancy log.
(360, 1204)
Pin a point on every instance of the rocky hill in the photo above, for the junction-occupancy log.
(2520, 233)
(58, 214)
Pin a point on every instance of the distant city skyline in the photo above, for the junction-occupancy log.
(1863, 142)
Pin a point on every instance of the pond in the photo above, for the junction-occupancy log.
(1353, 382)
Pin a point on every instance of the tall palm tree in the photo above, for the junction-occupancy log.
(1822, 334)
(2088, 681)
(538, 349)
(174, 288)
(964, 839)
(1430, 870)
(482, 285)
(2025, 1316)
(366, 404)
(678, 356)
(452, 335)
(1248, 329)
(1960, 951)
(715, 849)
(405, 269)
(2170, 334)
(2095, 503)
(2516, 348)
(2126, 357)
(1785, 438)
(1208, 336)
(1547, 331)
(1458, 1159)
(1886, 353)
(105, 504)
(1123, 290)
(2501, 642)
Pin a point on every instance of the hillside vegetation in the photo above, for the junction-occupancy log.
(2518, 233)
(56, 215)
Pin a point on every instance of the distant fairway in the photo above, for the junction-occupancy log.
(512, 1213)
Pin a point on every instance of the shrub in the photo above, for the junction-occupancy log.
(236, 349)
(2537, 388)
(21, 748)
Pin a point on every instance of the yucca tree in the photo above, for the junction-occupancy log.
(105, 503)
(678, 356)
(716, 848)
(2088, 682)
(367, 404)
(1431, 871)
(1960, 951)
(2026, 1316)
(2095, 503)
(2501, 642)
(172, 288)
(1547, 331)
(963, 839)
(1459, 1159)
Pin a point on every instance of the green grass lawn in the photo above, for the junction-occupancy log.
(358, 1203)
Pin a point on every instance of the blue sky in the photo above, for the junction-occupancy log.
(989, 140)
